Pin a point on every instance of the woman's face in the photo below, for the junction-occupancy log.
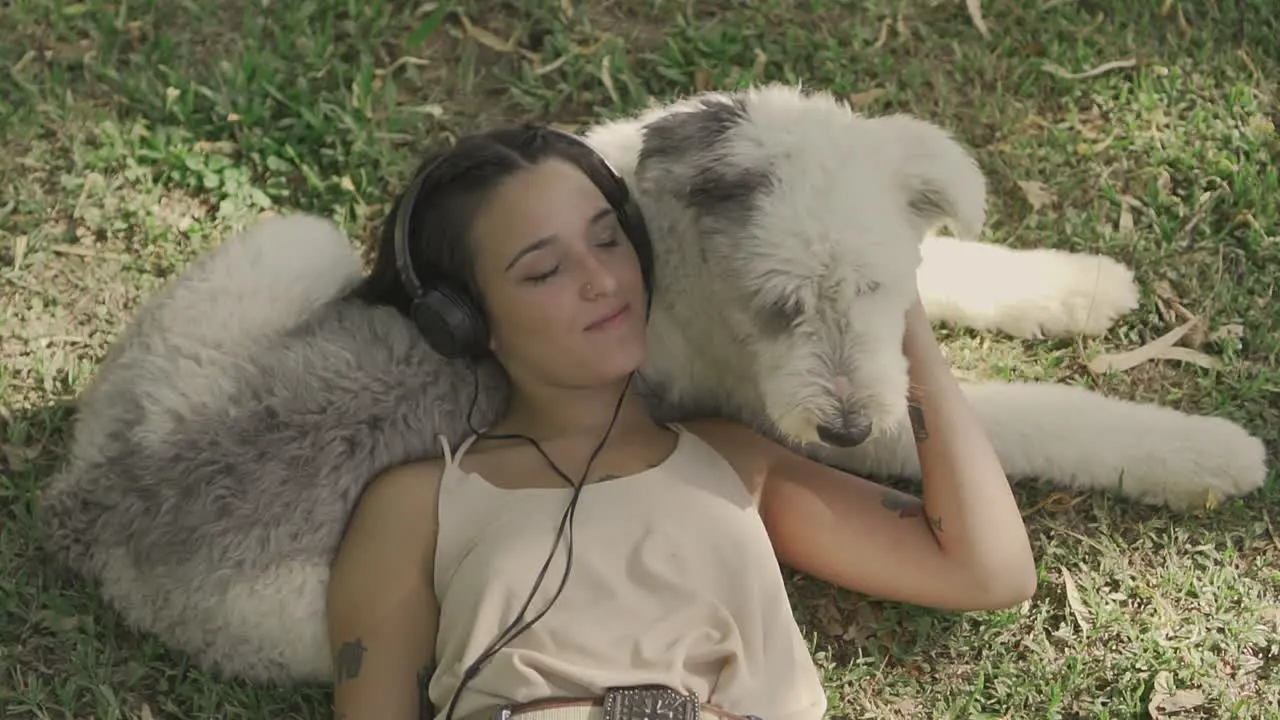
(561, 282)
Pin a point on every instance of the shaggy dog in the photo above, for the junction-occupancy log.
(228, 434)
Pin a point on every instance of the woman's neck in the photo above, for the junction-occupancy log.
(557, 413)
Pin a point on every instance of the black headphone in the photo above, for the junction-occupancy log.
(446, 314)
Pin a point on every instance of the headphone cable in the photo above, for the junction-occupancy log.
(502, 639)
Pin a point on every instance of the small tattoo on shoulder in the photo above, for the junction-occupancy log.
(905, 505)
(918, 427)
(350, 658)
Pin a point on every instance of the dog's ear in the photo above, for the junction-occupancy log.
(689, 156)
(941, 181)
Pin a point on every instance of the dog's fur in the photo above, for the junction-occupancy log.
(227, 436)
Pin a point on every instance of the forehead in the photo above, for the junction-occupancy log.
(538, 200)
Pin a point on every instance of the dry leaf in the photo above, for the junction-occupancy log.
(606, 75)
(1091, 72)
(1125, 224)
(551, 66)
(758, 67)
(486, 38)
(830, 618)
(19, 251)
(701, 79)
(884, 34)
(1074, 602)
(975, 14)
(1230, 331)
(1165, 699)
(1197, 335)
(1162, 348)
(1038, 194)
(860, 99)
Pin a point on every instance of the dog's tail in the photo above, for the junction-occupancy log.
(261, 281)
(941, 180)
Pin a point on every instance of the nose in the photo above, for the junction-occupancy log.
(851, 431)
(598, 280)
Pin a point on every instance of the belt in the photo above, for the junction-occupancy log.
(641, 702)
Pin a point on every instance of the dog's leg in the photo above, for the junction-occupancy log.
(1026, 293)
(1076, 438)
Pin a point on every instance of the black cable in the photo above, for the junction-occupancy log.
(566, 519)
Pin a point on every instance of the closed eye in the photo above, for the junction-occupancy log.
(779, 316)
(610, 240)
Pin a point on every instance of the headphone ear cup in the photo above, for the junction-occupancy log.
(451, 323)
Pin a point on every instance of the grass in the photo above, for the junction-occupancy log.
(134, 140)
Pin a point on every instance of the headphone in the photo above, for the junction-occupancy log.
(454, 326)
(446, 314)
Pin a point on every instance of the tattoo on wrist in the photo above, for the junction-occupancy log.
(350, 658)
(918, 427)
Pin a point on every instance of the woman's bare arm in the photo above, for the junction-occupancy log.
(382, 609)
(968, 502)
(964, 547)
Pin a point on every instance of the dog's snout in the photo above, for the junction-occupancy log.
(850, 431)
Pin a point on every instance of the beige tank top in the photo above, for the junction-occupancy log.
(674, 581)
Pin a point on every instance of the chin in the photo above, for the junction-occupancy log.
(611, 362)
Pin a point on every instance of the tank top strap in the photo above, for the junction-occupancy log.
(461, 511)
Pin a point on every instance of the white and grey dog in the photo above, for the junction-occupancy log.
(225, 439)
(791, 235)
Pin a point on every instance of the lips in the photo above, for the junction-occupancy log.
(611, 319)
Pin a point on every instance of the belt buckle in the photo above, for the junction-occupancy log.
(650, 702)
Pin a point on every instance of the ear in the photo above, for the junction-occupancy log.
(692, 156)
(941, 181)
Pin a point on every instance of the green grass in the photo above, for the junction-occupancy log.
(132, 141)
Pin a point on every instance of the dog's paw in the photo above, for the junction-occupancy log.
(1215, 459)
(1069, 294)
(1025, 293)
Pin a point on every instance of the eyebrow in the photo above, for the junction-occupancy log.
(543, 242)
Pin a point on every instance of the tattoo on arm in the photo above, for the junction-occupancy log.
(918, 427)
(908, 507)
(350, 658)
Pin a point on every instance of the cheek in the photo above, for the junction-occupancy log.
(627, 267)
(529, 311)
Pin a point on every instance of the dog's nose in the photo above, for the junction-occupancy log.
(853, 431)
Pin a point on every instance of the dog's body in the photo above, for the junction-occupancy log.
(226, 438)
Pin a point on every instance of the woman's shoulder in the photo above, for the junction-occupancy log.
(405, 489)
(749, 453)
(723, 430)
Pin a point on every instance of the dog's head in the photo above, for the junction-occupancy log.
(811, 217)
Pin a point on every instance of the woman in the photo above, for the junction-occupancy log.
(519, 246)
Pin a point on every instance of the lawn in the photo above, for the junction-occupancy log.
(1145, 129)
